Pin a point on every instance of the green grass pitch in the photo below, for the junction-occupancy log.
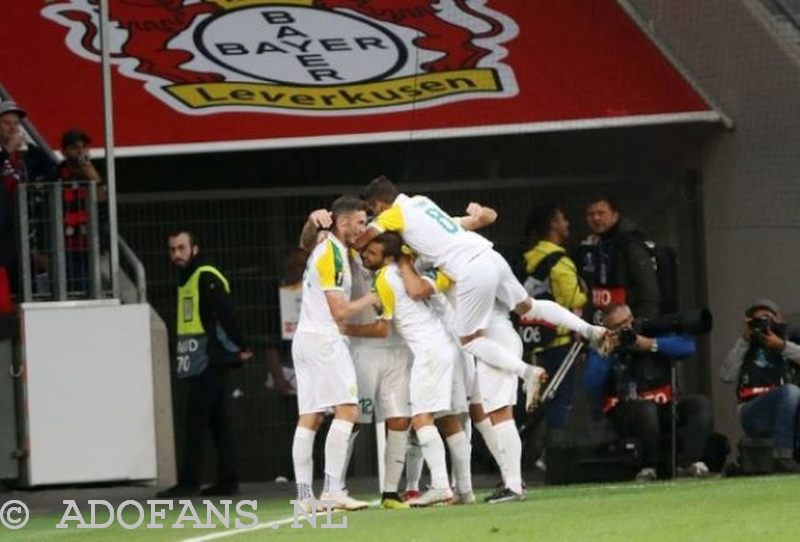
(746, 509)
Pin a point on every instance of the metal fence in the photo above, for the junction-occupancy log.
(61, 241)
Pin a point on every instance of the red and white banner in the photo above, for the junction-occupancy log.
(204, 75)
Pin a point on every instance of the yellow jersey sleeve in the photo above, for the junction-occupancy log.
(390, 220)
(441, 282)
(330, 268)
(386, 295)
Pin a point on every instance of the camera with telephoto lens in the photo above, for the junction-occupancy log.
(693, 322)
(627, 338)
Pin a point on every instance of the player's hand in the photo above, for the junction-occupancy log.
(321, 218)
(245, 355)
(604, 340)
(474, 209)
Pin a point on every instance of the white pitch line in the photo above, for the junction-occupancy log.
(268, 525)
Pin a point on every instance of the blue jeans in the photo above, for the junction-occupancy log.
(773, 414)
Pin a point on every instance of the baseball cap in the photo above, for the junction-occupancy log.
(11, 107)
(74, 136)
(763, 304)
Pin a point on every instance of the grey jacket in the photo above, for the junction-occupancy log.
(729, 370)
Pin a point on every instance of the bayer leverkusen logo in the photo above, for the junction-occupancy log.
(307, 57)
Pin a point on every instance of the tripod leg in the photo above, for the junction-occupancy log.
(549, 393)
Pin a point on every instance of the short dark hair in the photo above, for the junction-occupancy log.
(539, 219)
(347, 204)
(177, 231)
(602, 197)
(380, 189)
(614, 307)
(392, 244)
(73, 136)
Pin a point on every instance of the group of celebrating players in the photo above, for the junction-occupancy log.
(407, 318)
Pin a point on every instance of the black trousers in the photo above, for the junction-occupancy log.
(652, 425)
(206, 410)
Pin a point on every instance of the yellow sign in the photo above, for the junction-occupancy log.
(233, 4)
(393, 92)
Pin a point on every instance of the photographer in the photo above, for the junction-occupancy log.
(758, 364)
(633, 386)
(615, 262)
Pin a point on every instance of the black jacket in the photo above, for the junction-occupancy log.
(620, 258)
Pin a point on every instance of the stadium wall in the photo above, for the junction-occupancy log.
(751, 174)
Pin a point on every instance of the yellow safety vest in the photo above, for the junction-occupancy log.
(192, 344)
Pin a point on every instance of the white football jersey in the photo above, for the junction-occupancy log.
(417, 322)
(328, 269)
(432, 233)
(363, 284)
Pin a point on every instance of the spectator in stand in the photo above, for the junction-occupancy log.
(19, 162)
(75, 171)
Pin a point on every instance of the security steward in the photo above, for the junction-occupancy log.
(208, 346)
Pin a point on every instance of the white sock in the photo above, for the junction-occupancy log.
(460, 452)
(349, 456)
(303, 460)
(511, 451)
(414, 464)
(486, 429)
(336, 454)
(553, 313)
(496, 355)
(394, 459)
(433, 451)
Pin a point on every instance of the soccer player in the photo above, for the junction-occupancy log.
(435, 358)
(482, 276)
(494, 390)
(324, 368)
(433, 286)
(383, 370)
